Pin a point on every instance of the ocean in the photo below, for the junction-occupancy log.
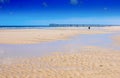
(49, 26)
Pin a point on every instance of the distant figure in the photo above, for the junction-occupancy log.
(89, 27)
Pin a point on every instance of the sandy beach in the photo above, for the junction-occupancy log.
(59, 38)
(30, 36)
(112, 28)
(94, 62)
(86, 62)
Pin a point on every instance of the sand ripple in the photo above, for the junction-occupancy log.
(96, 63)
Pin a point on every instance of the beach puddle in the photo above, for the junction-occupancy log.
(71, 45)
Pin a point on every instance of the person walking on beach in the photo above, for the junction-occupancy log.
(89, 27)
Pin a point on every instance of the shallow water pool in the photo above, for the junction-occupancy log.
(70, 45)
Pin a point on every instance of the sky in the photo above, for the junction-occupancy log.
(44, 12)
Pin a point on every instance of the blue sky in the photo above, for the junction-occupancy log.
(43, 12)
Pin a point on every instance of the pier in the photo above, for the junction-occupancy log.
(78, 25)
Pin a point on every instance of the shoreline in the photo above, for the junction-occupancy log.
(32, 36)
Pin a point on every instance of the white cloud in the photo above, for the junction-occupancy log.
(45, 4)
(105, 8)
(74, 2)
(3, 1)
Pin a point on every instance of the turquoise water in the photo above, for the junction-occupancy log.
(71, 45)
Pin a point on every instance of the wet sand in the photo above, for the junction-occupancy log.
(116, 39)
(92, 62)
(25, 36)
